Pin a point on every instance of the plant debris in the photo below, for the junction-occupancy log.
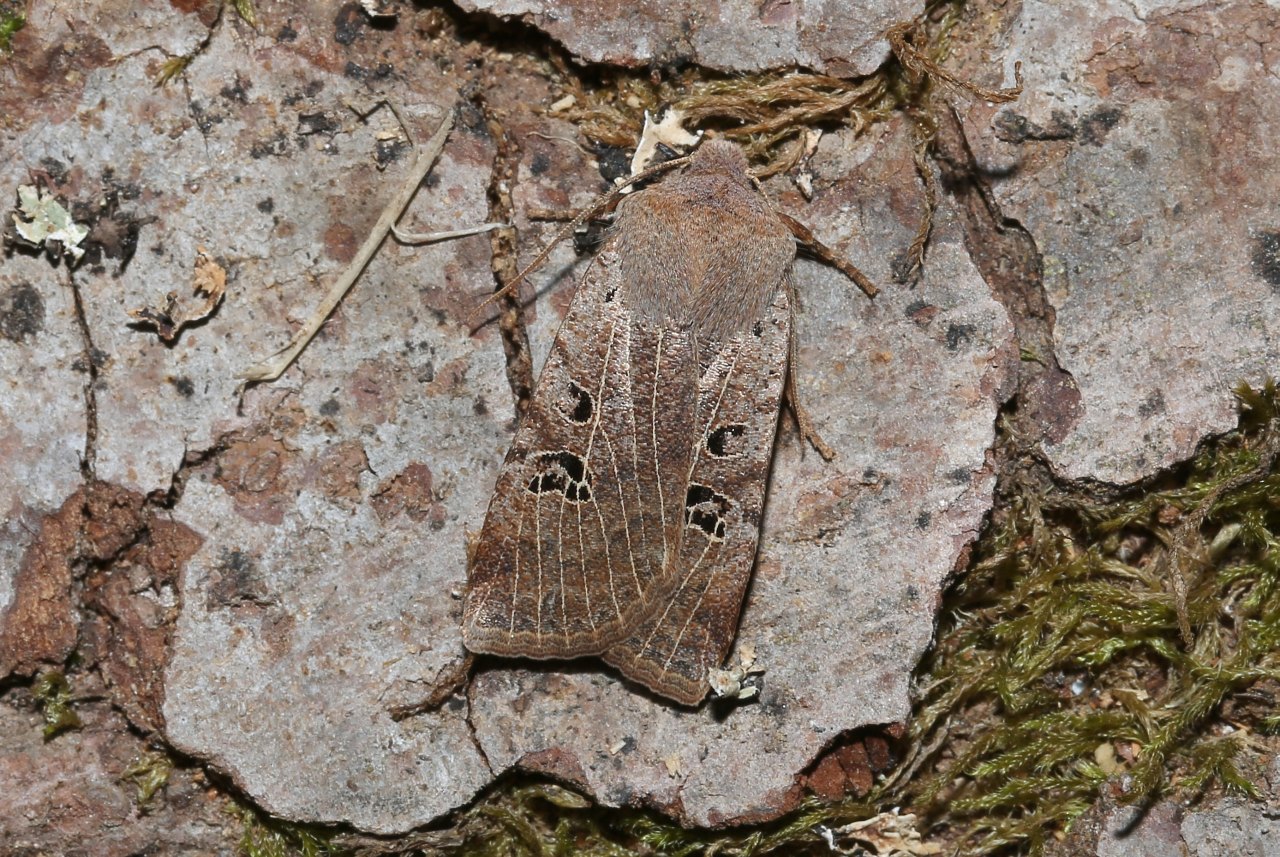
(208, 285)
(42, 221)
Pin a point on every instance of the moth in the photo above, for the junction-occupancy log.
(626, 515)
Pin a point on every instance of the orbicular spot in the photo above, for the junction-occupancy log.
(727, 441)
(757, 329)
(575, 404)
(706, 510)
(560, 473)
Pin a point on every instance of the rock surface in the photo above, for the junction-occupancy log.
(839, 38)
(1141, 159)
(1217, 825)
(67, 795)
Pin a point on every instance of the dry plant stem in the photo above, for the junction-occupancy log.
(272, 367)
(448, 681)
(558, 215)
(431, 237)
(920, 65)
(811, 97)
(915, 253)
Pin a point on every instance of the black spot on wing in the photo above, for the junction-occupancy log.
(560, 473)
(706, 510)
(575, 404)
(727, 441)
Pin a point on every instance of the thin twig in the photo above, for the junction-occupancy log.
(272, 367)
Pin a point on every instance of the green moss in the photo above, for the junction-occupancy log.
(52, 690)
(173, 68)
(1065, 645)
(11, 21)
(263, 836)
(246, 11)
(150, 773)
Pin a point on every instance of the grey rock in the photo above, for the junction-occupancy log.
(840, 38)
(1140, 159)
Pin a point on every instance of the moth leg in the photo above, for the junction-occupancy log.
(448, 681)
(826, 254)
(803, 423)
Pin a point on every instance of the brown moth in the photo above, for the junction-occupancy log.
(626, 515)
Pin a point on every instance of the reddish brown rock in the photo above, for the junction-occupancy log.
(39, 626)
(135, 603)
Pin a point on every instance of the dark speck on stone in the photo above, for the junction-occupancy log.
(957, 334)
(1152, 405)
(1094, 127)
(348, 23)
(330, 407)
(21, 312)
(1266, 257)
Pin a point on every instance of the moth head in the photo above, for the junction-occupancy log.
(722, 158)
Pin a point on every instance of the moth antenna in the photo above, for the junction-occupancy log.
(592, 210)
(826, 254)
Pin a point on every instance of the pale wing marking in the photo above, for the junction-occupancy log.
(537, 534)
(685, 582)
(676, 646)
(715, 412)
(564, 603)
(586, 468)
(653, 426)
(515, 587)
(644, 510)
(622, 501)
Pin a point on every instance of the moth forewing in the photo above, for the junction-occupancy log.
(572, 542)
(626, 515)
(689, 632)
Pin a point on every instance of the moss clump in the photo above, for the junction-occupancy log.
(53, 692)
(150, 773)
(11, 21)
(769, 113)
(263, 836)
(1064, 660)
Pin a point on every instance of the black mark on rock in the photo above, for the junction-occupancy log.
(21, 312)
